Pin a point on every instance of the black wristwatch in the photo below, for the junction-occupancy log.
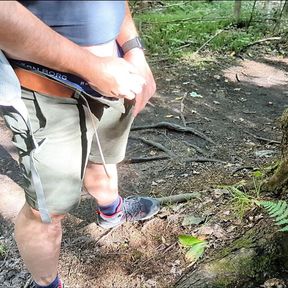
(133, 43)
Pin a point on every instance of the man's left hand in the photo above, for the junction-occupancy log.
(136, 57)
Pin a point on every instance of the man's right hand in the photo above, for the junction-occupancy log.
(115, 77)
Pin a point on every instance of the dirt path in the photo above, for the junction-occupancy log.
(235, 105)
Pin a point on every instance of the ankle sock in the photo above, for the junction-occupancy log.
(112, 208)
(55, 284)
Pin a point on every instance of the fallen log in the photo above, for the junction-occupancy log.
(248, 261)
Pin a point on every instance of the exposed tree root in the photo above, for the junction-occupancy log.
(154, 144)
(174, 127)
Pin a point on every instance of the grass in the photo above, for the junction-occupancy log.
(2, 250)
(181, 27)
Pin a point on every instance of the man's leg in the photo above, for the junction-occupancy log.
(103, 188)
(38, 244)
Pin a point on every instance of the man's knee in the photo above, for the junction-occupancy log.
(32, 214)
(98, 175)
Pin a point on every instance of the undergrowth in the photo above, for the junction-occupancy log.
(244, 200)
(180, 27)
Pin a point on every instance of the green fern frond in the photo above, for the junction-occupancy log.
(285, 229)
(277, 210)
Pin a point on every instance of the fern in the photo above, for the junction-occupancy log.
(277, 210)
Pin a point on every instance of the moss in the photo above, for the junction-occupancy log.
(245, 242)
(244, 264)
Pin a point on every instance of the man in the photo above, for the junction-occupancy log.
(66, 133)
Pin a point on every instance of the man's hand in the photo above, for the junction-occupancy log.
(136, 58)
(115, 77)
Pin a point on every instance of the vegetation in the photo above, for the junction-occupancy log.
(175, 28)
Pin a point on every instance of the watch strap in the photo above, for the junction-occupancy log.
(132, 43)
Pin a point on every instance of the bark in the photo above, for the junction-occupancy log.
(285, 8)
(260, 253)
(278, 182)
(237, 10)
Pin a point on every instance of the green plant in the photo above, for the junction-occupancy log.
(196, 246)
(277, 210)
(241, 200)
(257, 181)
(2, 250)
(180, 27)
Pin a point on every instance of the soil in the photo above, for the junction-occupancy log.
(234, 101)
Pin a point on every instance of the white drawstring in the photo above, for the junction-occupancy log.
(96, 134)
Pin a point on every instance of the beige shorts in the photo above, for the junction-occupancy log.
(66, 137)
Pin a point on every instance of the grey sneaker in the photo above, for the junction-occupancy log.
(133, 208)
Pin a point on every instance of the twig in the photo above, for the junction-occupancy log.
(199, 150)
(252, 14)
(182, 106)
(145, 159)
(209, 40)
(260, 41)
(178, 198)
(263, 139)
(241, 168)
(155, 144)
(175, 127)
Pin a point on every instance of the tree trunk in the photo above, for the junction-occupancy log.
(237, 10)
(278, 182)
(285, 8)
(247, 262)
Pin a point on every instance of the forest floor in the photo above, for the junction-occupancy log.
(234, 102)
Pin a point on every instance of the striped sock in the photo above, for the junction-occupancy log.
(57, 283)
(112, 208)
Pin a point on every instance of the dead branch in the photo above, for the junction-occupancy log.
(154, 144)
(209, 40)
(197, 149)
(144, 159)
(241, 168)
(260, 41)
(175, 127)
(178, 198)
(263, 139)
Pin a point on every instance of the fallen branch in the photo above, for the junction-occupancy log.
(209, 40)
(175, 127)
(178, 198)
(144, 159)
(263, 139)
(242, 168)
(154, 144)
(260, 41)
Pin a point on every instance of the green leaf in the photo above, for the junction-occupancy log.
(257, 174)
(285, 229)
(188, 240)
(196, 251)
(281, 210)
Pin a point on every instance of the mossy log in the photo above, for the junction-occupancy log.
(278, 182)
(247, 262)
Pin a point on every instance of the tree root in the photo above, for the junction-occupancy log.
(174, 127)
(154, 144)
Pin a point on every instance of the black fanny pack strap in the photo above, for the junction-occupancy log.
(70, 80)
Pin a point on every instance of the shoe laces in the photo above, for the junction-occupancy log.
(132, 207)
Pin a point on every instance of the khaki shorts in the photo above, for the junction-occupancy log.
(64, 131)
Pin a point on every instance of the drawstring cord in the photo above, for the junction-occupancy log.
(96, 134)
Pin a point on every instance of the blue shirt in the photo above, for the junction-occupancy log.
(86, 23)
